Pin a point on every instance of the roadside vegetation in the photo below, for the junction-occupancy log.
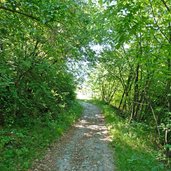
(21, 145)
(133, 71)
(133, 144)
(37, 88)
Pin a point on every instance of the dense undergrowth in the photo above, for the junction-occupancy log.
(37, 88)
(21, 145)
(133, 144)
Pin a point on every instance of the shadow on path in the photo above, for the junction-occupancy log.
(83, 148)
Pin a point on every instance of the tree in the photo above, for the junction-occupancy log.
(137, 59)
(37, 39)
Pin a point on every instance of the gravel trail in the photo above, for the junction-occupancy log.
(83, 148)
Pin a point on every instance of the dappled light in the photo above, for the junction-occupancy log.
(86, 145)
(92, 124)
(91, 129)
(57, 55)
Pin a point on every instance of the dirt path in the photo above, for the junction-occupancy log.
(83, 148)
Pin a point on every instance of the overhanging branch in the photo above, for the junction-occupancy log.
(167, 7)
(19, 12)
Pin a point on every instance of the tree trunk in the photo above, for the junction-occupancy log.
(136, 94)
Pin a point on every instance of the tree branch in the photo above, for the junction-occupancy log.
(26, 15)
(19, 12)
(167, 7)
(156, 22)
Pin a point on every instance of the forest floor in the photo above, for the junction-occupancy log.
(85, 147)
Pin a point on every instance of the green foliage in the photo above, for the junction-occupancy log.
(133, 71)
(20, 146)
(39, 38)
(36, 40)
(133, 144)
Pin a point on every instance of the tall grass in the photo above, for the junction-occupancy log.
(20, 146)
(133, 144)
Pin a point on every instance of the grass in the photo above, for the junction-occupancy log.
(20, 146)
(133, 144)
